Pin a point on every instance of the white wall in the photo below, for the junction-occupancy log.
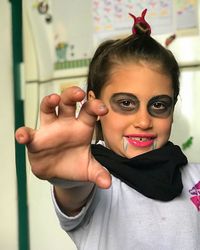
(45, 231)
(8, 207)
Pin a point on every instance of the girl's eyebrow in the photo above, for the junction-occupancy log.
(162, 97)
(126, 94)
(154, 98)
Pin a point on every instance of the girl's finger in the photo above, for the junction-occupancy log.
(48, 109)
(69, 98)
(91, 110)
(24, 135)
(99, 175)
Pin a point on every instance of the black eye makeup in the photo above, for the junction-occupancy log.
(124, 102)
(160, 106)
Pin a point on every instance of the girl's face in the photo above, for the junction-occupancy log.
(140, 103)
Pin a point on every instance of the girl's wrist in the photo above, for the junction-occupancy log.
(67, 184)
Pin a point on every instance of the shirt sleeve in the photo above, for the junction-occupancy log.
(69, 223)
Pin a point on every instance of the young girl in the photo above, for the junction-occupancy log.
(133, 189)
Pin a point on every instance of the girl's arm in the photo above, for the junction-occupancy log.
(72, 200)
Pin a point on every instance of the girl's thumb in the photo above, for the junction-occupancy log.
(100, 175)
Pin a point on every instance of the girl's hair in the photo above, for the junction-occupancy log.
(139, 48)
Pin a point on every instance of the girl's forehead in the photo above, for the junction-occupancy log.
(139, 80)
(137, 69)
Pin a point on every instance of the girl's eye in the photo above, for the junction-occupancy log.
(160, 106)
(124, 103)
(127, 105)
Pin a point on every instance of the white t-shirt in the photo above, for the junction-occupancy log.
(120, 218)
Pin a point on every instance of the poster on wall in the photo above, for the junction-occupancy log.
(186, 14)
(111, 18)
(67, 32)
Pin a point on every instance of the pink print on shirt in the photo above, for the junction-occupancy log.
(195, 192)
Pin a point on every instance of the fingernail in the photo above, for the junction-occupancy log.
(77, 91)
(49, 96)
(20, 137)
(102, 107)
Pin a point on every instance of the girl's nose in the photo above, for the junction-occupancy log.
(142, 119)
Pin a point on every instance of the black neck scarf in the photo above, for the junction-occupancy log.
(155, 174)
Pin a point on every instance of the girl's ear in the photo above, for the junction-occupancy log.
(91, 95)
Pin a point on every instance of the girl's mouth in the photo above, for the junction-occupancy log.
(141, 140)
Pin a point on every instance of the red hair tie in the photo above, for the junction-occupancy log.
(141, 23)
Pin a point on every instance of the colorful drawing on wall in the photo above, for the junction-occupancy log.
(169, 40)
(71, 64)
(111, 16)
(188, 143)
(62, 50)
(186, 14)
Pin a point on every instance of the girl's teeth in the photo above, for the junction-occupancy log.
(139, 139)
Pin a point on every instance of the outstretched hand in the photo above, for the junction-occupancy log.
(60, 148)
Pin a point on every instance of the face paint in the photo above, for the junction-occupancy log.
(124, 103)
(127, 103)
(160, 106)
(154, 145)
(125, 144)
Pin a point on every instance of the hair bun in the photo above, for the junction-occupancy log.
(140, 25)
